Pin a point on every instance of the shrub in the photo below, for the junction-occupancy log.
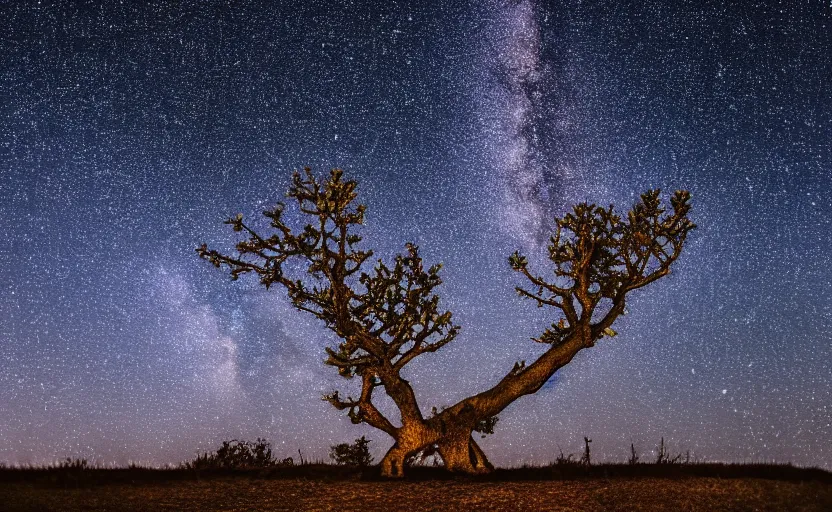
(236, 454)
(564, 460)
(71, 463)
(356, 454)
(663, 456)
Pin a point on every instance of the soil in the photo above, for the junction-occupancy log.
(591, 494)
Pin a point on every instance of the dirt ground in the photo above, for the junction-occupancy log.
(706, 494)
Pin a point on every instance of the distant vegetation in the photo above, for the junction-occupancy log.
(353, 460)
(355, 454)
(236, 454)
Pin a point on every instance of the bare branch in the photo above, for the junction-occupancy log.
(604, 257)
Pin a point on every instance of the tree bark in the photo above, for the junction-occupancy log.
(392, 465)
(514, 385)
(459, 452)
(464, 455)
(410, 439)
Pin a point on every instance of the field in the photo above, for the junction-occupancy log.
(605, 487)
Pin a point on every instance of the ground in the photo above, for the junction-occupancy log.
(601, 494)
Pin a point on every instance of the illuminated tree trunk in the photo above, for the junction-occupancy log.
(451, 430)
(459, 452)
(462, 454)
(392, 465)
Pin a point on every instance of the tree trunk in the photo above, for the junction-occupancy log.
(523, 382)
(409, 440)
(392, 465)
(459, 452)
(463, 455)
(451, 429)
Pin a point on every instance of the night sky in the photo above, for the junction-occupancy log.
(129, 132)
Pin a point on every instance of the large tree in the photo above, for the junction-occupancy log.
(386, 315)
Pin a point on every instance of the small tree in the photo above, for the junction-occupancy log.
(388, 315)
(356, 454)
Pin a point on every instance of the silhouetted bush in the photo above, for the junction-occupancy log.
(564, 460)
(76, 464)
(237, 454)
(663, 457)
(356, 454)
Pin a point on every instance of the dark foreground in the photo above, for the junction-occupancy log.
(323, 489)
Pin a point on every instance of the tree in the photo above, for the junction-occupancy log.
(355, 454)
(388, 315)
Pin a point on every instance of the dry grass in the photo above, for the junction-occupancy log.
(243, 493)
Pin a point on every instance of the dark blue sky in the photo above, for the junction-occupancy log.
(129, 132)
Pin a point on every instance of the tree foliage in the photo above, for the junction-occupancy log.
(599, 257)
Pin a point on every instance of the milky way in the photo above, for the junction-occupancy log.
(128, 133)
(506, 95)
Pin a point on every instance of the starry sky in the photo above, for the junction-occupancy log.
(129, 131)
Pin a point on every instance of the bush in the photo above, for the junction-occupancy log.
(564, 460)
(356, 454)
(77, 464)
(663, 456)
(236, 454)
